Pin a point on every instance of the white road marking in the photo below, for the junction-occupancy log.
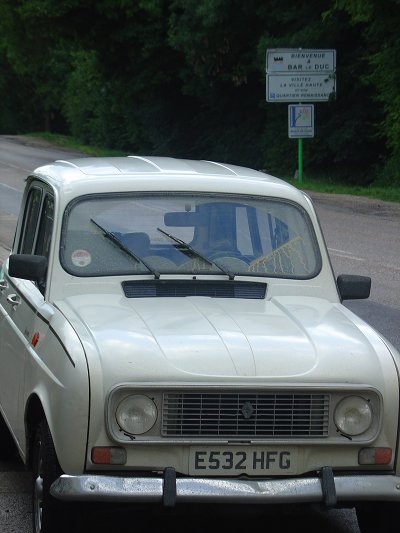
(345, 254)
(9, 187)
(14, 166)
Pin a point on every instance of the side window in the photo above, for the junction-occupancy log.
(45, 227)
(31, 217)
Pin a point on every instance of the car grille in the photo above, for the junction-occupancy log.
(245, 415)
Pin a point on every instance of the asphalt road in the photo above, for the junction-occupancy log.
(363, 238)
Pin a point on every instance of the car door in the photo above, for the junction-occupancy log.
(19, 301)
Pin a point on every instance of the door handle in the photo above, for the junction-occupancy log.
(13, 299)
(3, 285)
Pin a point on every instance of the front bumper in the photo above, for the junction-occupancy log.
(325, 488)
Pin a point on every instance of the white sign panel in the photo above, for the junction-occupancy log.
(286, 60)
(300, 87)
(301, 121)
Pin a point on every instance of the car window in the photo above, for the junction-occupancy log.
(188, 233)
(30, 220)
(45, 227)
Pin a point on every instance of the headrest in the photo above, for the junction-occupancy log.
(138, 242)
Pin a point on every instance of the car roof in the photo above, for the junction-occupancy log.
(86, 175)
(101, 166)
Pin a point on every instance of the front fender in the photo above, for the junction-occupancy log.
(57, 375)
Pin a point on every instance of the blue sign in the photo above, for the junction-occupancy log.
(301, 121)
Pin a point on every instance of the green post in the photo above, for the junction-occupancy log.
(300, 158)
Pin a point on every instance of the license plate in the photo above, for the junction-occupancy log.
(252, 460)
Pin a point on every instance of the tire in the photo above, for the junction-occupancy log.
(49, 515)
(7, 445)
(378, 516)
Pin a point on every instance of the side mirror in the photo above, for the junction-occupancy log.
(26, 266)
(352, 287)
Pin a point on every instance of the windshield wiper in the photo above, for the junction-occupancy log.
(125, 249)
(194, 252)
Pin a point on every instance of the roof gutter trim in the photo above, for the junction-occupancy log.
(223, 166)
(146, 161)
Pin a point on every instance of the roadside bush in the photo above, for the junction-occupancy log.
(389, 176)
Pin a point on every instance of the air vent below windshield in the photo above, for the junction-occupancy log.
(181, 288)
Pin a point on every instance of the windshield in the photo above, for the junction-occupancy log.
(129, 234)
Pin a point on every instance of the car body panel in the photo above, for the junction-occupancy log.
(217, 338)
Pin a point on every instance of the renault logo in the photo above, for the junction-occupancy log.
(247, 410)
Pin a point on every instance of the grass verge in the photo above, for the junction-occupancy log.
(387, 194)
(70, 142)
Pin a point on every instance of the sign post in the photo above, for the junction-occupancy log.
(300, 75)
(300, 126)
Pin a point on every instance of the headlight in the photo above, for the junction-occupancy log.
(353, 415)
(136, 414)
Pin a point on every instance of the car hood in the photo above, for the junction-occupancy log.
(205, 339)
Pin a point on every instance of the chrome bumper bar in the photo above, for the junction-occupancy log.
(340, 488)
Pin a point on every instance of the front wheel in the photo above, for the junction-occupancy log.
(49, 514)
(7, 446)
(378, 516)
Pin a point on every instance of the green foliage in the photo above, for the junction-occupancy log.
(187, 78)
(86, 100)
(377, 21)
(17, 108)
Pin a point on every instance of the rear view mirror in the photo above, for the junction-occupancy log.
(352, 287)
(185, 220)
(27, 266)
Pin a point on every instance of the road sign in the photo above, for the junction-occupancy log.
(300, 75)
(297, 75)
(280, 60)
(300, 87)
(301, 121)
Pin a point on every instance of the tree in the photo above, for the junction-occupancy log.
(187, 78)
(377, 20)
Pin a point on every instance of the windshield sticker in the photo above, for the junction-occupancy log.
(81, 258)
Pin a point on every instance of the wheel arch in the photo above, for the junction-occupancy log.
(34, 413)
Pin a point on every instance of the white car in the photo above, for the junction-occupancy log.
(171, 332)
